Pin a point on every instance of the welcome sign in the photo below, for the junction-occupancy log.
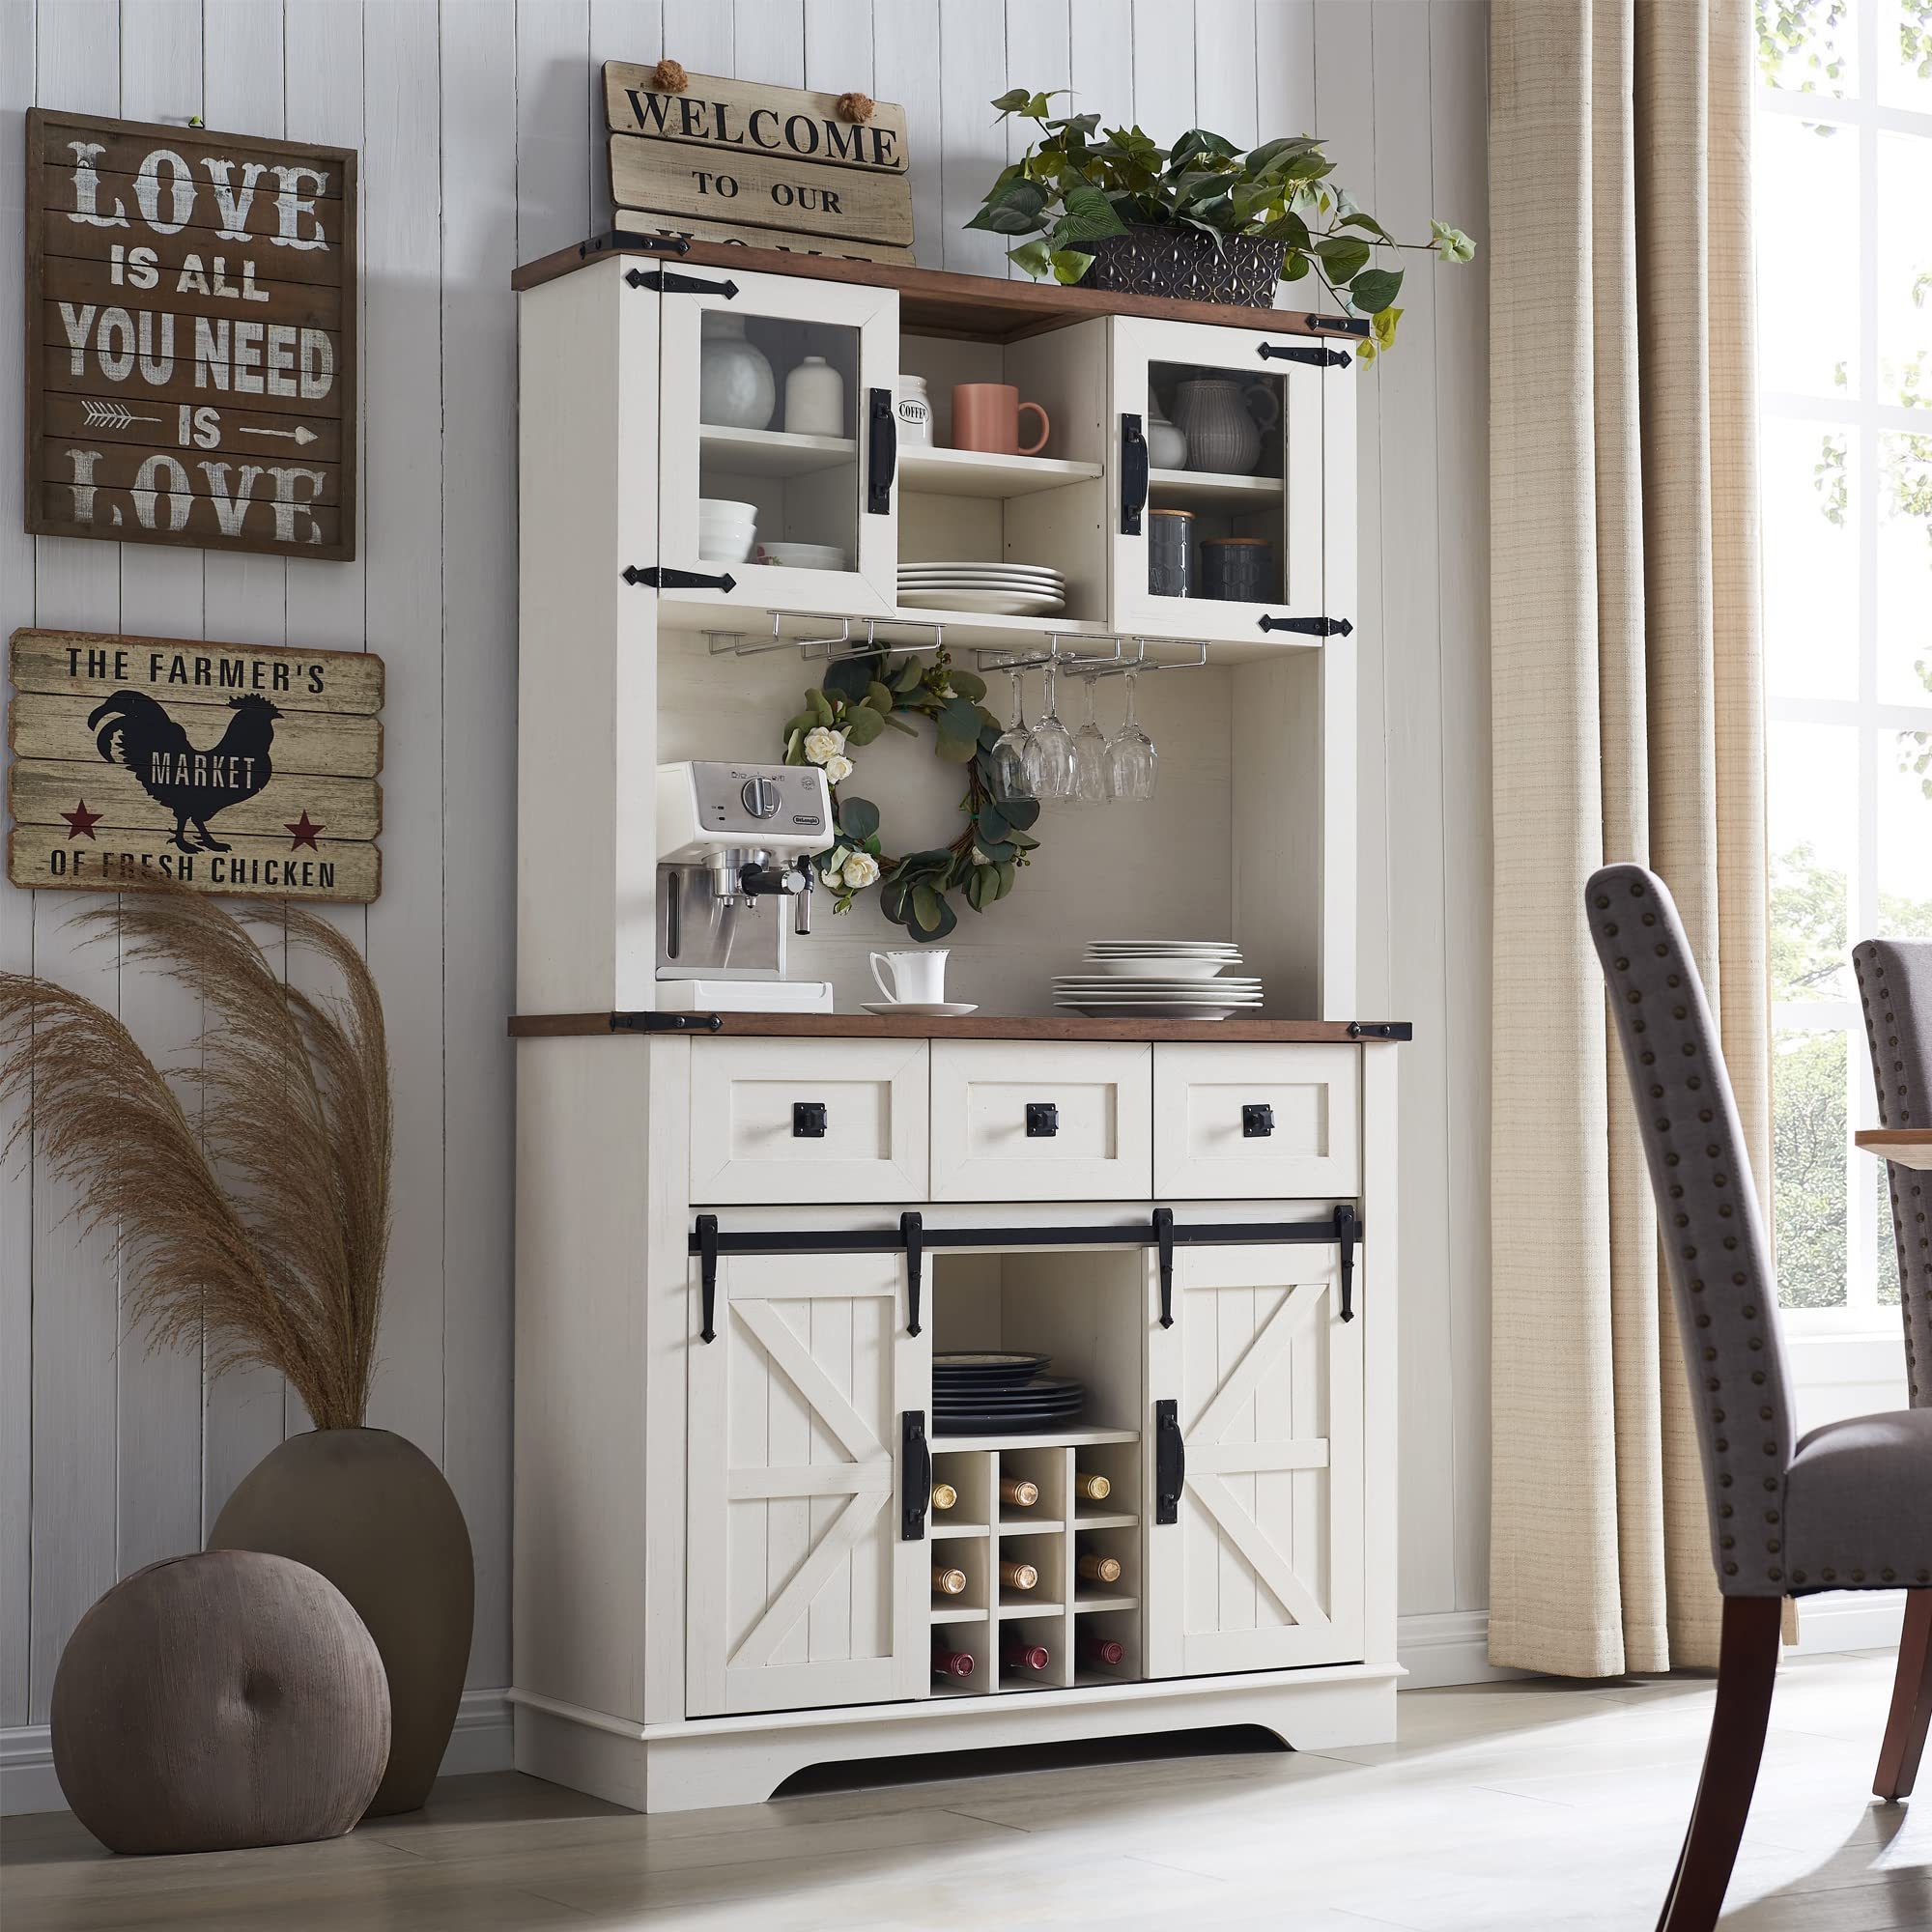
(230, 768)
(191, 337)
(736, 161)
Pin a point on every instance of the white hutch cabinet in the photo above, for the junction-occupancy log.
(742, 1236)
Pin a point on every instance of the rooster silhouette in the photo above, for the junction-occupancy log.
(194, 785)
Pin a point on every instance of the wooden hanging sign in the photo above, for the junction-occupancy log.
(736, 160)
(233, 768)
(191, 337)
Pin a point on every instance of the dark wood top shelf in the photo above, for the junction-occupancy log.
(979, 1026)
(935, 302)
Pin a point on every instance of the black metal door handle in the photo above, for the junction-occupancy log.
(808, 1120)
(882, 451)
(1257, 1121)
(914, 1474)
(1042, 1119)
(1133, 474)
(707, 1274)
(1170, 1462)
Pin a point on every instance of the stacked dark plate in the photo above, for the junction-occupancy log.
(998, 1393)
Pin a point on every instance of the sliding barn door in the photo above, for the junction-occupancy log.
(1262, 1568)
(801, 1590)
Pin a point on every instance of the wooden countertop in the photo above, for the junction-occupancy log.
(1909, 1147)
(977, 1026)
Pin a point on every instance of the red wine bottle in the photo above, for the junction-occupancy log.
(1017, 1656)
(951, 1663)
(1107, 1650)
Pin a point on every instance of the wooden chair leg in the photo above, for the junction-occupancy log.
(1747, 1667)
(1911, 1703)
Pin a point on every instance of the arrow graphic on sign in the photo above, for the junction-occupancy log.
(112, 415)
(301, 435)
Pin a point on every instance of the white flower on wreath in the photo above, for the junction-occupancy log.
(980, 858)
(837, 768)
(861, 869)
(822, 744)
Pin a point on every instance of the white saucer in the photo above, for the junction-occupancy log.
(937, 1009)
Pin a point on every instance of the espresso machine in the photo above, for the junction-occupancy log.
(734, 881)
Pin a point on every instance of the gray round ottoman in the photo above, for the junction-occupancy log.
(216, 1701)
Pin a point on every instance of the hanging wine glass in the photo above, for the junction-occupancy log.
(1131, 758)
(1049, 754)
(1010, 782)
(1090, 759)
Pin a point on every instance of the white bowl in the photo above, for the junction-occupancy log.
(720, 548)
(727, 506)
(802, 557)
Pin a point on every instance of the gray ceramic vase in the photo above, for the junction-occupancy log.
(374, 1515)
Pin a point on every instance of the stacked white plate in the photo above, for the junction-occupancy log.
(989, 589)
(1159, 979)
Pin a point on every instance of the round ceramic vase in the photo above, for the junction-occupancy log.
(735, 386)
(814, 399)
(1222, 435)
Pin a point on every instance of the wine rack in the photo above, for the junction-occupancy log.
(997, 1622)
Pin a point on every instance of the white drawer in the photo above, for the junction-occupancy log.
(1208, 1146)
(1096, 1143)
(749, 1141)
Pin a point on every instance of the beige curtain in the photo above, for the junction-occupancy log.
(1628, 724)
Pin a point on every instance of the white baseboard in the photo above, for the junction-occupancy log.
(1448, 1647)
(1849, 1620)
(481, 1741)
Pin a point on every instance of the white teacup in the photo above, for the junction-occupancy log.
(919, 978)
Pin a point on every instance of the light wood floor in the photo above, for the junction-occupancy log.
(1548, 1808)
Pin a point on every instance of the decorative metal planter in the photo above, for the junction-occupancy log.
(1184, 264)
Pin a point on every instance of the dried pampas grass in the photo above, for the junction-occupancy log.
(261, 1229)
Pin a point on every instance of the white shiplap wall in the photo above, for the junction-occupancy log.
(474, 119)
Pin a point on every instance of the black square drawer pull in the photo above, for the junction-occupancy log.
(1257, 1121)
(808, 1120)
(1042, 1119)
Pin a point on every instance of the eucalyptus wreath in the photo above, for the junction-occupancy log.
(862, 698)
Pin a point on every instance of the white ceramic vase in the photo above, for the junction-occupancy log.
(1214, 415)
(814, 399)
(735, 386)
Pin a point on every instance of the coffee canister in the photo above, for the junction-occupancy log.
(1237, 570)
(914, 410)
(1171, 552)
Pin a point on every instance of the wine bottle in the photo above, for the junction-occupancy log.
(1021, 1493)
(1103, 1649)
(1017, 1656)
(947, 1582)
(1089, 1487)
(951, 1663)
(1019, 1575)
(944, 1495)
(1099, 1569)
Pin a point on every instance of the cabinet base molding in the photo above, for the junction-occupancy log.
(709, 1762)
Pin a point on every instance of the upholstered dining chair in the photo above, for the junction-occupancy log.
(1895, 991)
(1847, 1506)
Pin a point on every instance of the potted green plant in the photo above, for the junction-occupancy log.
(256, 1232)
(1200, 220)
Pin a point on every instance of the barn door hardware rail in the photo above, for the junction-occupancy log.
(913, 1237)
(1336, 325)
(1311, 627)
(1381, 1029)
(628, 238)
(666, 1022)
(1321, 359)
(658, 577)
(668, 282)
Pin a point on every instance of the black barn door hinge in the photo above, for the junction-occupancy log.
(668, 282)
(655, 576)
(1321, 359)
(707, 1274)
(1345, 1239)
(1163, 1240)
(1311, 627)
(911, 1231)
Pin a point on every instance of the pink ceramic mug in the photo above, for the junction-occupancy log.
(987, 416)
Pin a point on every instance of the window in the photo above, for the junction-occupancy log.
(1843, 155)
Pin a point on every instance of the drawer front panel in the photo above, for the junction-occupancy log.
(1256, 1121)
(1014, 1122)
(808, 1120)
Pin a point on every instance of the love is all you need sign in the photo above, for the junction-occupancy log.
(191, 337)
(232, 768)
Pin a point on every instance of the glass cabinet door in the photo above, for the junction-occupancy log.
(775, 439)
(1218, 462)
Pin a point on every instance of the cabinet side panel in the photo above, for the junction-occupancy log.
(1341, 809)
(587, 366)
(581, 1409)
(1378, 1292)
(1280, 768)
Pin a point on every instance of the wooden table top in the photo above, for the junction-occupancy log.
(1909, 1147)
(977, 1026)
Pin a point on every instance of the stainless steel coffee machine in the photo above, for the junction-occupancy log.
(734, 878)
